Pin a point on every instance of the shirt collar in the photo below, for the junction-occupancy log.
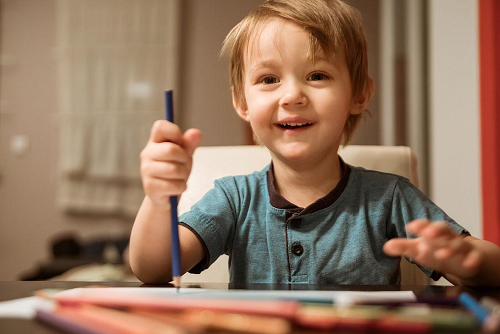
(280, 202)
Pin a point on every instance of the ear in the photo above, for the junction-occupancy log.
(240, 107)
(360, 103)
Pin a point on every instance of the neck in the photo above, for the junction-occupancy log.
(303, 184)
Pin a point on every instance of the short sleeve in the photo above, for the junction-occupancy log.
(212, 219)
(408, 204)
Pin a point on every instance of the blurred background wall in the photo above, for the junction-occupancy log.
(422, 57)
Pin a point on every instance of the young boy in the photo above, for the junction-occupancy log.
(299, 76)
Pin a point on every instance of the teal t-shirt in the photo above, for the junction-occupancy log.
(336, 240)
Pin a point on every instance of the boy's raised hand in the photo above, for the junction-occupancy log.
(438, 247)
(166, 160)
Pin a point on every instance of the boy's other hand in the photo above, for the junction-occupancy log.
(166, 160)
(437, 247)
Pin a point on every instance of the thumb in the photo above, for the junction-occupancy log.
(192, 139)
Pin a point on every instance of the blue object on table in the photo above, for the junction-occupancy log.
(473, 306)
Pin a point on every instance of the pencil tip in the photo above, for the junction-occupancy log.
(177, 282)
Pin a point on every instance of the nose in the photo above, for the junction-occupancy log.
(293, 95)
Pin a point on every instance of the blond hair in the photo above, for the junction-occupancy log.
(334, 27)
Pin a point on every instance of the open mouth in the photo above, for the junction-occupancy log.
(294, 125)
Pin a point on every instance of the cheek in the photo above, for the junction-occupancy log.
(259, 107)
(341, 104)
(258, 116)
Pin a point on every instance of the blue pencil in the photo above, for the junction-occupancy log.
(176, 251)
(489, 323)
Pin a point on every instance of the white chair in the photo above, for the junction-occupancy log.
(213, 162)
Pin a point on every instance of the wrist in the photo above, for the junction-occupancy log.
(158, 206)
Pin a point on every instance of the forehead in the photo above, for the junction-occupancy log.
(272, 36)
(276, 36)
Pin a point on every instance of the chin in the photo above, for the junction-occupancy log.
(295, 155)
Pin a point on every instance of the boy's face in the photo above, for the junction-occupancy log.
(296, 108)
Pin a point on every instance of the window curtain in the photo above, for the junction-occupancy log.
(115, 58)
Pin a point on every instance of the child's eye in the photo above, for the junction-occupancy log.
(268, 80)
(318, 76)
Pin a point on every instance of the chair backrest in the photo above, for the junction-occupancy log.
(213, 162)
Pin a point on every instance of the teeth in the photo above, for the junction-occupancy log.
(294, 124)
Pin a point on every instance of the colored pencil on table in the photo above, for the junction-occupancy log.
(63, 324)
(90, 319)
(489, 323)
(176, 251)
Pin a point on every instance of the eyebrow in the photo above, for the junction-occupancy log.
(263, 63)
(273, 63)
(332, 62)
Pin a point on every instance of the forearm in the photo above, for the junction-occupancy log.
(488, 273)
(150, 243)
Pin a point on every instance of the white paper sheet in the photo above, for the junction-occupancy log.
(24, 308)
(337, 297)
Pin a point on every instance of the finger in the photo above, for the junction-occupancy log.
(457, 245)
(165, 171)
(438, 230)
(167, 152)
(416, 226)
(165, 131)
(192, 139)
(418, 249)
(400, 247)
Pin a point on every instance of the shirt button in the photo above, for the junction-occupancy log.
(297, 223)
(297, 249)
